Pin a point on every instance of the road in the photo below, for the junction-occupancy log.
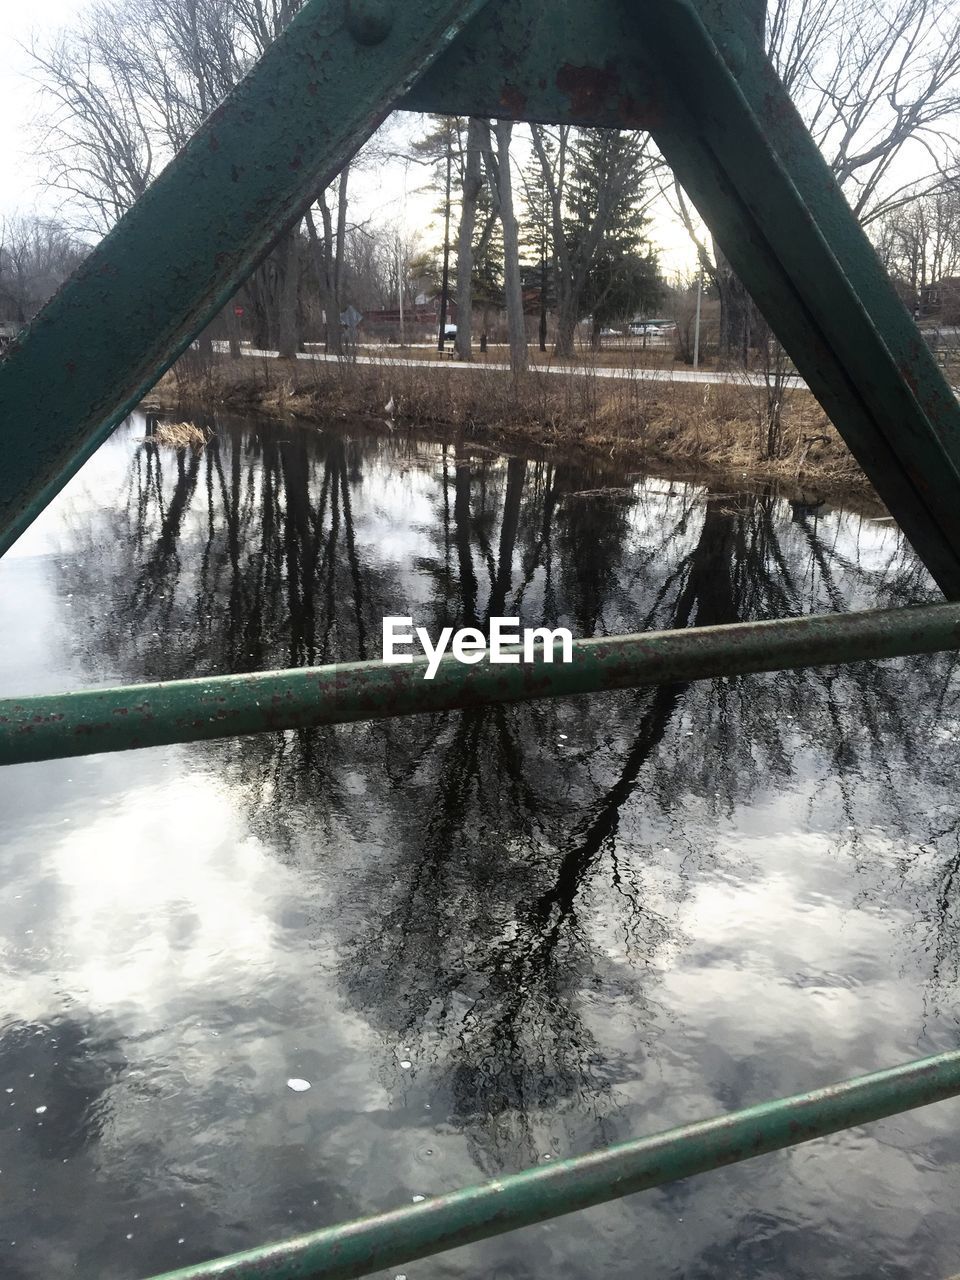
(634, 374)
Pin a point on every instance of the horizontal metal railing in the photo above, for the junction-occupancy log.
(358, 1248)
(149, 715)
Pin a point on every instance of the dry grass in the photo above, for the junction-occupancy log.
(699, 428)
(181, 435)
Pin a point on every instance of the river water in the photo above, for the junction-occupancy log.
(486, 940)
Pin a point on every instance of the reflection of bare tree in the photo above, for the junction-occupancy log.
(498, 845)
(245, 557)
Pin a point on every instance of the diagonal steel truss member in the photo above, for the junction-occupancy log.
(691, 71)
(176, 258)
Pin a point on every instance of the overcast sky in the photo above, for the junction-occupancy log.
(388, 194)
(19, 173)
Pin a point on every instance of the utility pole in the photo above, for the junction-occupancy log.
(400, 284)
(696, 323)
(401, 249)
(543, 267)
(445, 286)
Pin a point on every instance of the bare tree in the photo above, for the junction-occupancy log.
(877, 82)
(328, 256)
(36, 256)
(100, 145)
(919, 242)
(129, 86)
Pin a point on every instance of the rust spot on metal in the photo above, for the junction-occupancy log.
(512, 99)
(588, 88)
(634, 114)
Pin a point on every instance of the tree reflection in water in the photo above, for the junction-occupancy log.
(516, 883)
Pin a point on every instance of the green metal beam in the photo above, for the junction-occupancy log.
(52, 726)
(176, 258)
(565, 62)
(359, 1248)
(737, 144)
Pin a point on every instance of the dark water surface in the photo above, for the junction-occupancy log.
(487, 939)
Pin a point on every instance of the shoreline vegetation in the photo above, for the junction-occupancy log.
(718, 430)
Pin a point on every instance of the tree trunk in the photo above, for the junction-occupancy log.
(566, 327)
(233, 330)
(341, 235)
(320, 252)
(258, 293)
(288, 327)
(553, 183)
(511, 253)
(468, 218)
(333, 337)
(445, 282)
(735, 306)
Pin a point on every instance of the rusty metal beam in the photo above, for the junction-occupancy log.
(568, 62)
(354, 1249)
(50, 726)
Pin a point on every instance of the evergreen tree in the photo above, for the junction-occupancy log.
(606, 189)
(594, 179)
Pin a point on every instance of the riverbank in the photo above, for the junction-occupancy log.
(718, 429)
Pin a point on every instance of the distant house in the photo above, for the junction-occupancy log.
(942, 300)
(419, 322)
(8, 331)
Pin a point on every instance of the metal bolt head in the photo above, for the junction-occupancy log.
(369, 21)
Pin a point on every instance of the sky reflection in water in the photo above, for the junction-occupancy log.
(486, 939)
